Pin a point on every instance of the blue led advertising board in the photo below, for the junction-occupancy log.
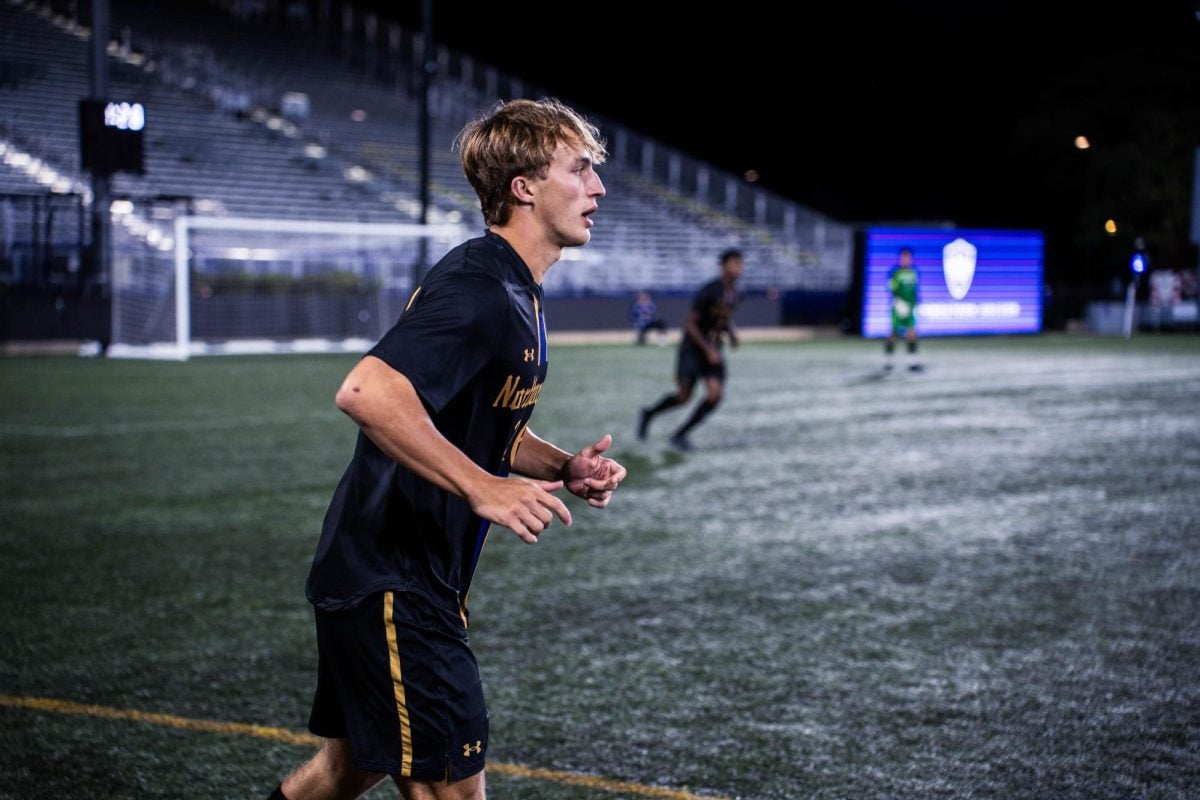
(969, 281)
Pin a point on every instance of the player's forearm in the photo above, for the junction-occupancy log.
(387, 408)
(693, 332)
(419, 446)
(537, 458)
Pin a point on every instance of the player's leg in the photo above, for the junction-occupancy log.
(714, 390)
(682, 393)
(910, 337)
(471, 788)
(889, 348)
(329, 774)
(687, 372)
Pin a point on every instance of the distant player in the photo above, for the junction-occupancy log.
(902, 286)
(644, 313)
(709, 322)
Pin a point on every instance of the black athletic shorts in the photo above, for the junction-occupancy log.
(403, 686)
(693, 364)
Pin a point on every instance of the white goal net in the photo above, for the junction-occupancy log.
(223, 285)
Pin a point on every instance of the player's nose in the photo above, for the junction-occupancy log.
(597, 188)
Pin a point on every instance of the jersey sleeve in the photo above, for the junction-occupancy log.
(447, 334)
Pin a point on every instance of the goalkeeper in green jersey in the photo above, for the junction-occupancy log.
(902, 286)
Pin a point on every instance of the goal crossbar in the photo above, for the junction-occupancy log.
(183, 347)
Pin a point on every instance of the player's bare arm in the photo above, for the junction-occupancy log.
(588, 474)
(385, 405)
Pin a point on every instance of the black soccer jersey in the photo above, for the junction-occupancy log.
(714, 305)
(473, 343)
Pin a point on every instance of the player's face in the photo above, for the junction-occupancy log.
(733, 269)
(568, 195)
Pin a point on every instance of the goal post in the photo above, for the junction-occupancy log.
(223, 285)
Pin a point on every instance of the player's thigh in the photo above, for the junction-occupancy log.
(714, 388)
(689, 368)
(470, 788)
(331, 772)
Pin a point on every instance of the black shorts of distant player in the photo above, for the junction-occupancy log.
(398, 680)
(693, 364)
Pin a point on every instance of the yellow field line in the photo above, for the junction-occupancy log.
(307, 739)
(168, 720)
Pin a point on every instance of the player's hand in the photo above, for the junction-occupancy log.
(593, 476)
(714, 356)
(524, 506)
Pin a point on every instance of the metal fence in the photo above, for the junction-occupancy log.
(44, 241)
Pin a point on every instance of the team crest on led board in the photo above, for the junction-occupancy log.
(958, 267)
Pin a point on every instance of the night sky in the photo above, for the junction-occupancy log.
(914, 111)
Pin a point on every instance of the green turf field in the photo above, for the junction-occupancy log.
(978, 582)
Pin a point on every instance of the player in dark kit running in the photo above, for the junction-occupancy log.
(443, 403)
(709, 322)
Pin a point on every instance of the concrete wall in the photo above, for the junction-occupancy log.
(612, 313)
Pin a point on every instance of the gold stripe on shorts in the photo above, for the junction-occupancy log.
(398, 687)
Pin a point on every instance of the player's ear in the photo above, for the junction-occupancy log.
(522, 189)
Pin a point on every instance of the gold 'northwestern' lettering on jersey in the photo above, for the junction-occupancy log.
(516, 444)
(513, 397)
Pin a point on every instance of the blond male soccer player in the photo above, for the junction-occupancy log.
(443, 403)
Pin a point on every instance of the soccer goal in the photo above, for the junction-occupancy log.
(223, 285)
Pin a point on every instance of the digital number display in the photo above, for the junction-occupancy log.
(125, 116)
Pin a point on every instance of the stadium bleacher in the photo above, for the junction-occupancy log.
(250, 120)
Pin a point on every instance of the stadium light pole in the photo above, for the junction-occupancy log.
(100, 218)
(428, 65)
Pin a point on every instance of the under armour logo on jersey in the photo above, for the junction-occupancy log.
(469, 749)
(530, 353)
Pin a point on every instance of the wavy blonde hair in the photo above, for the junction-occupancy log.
(519, 137)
